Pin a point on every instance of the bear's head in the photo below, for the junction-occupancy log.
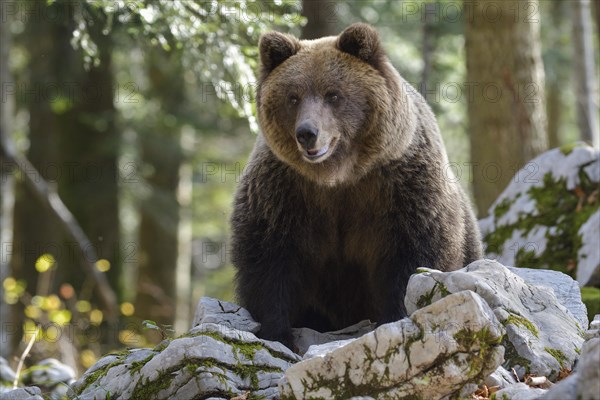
(332, 108)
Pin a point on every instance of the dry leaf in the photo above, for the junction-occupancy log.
(243, 396)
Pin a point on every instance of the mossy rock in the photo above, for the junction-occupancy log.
(539, 219)
(210, 360)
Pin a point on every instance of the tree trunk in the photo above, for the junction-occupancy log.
(596, 5)
(585, 74)
(7, 194)
(35, 232)
(160, 212)
(558, 67)
(89, 149)
(554, 107)
(322, 19)
(505, 83)
(184, 306)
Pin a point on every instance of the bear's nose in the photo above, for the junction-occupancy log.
(306, 134)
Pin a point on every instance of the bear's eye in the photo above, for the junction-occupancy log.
(293, 100)
(332, 97)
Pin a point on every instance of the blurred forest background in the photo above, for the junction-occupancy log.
(125, 126)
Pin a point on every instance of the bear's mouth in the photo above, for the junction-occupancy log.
(317, 155)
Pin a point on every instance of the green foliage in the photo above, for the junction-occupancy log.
(217, 39)
(165, 331)
(591, 298)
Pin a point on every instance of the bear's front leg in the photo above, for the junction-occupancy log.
(266, 291)
(394, 274)
(393, 285)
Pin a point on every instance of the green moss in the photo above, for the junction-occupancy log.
(427, 298)
(591, 298)
(517, 320)
(343, 387)
(137, 365)
(407, 344)
(245, 348)
(568, 148)
(477, 339)
(513, 358)
(149, 389)
(162, 345)
(558, 355)
(99, 373)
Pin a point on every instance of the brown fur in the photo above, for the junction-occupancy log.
(327, 243)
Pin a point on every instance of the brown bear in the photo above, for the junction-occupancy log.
(346, 192)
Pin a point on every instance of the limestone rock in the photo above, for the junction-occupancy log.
(594, 330)
(306, 337)
(210, 310)
(588, 371)
(500, 377)
(211, 360)
(565, 389)
(23, 393)
(320, 350)
(434, 353)
(542, 337)
(221, 312)
(566, 289)
(539, 221)
(584, 383)
(519, 391)
(49, 373)
(7, 376)
(588, 266)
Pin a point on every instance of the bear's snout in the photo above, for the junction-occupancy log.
(306, 135)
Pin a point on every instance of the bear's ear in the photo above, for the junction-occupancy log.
(361, 41)
(275, 48)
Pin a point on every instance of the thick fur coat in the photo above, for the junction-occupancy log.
(346, 192)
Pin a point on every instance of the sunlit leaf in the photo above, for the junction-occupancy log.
(44, 262)
(147, 324)
(32, 312)
(29, 329)
(37, 301)
(9, 283)
(83, 306)
(102, 265)
(60, 317)
(96, 317)
(51, 303)
(88, 358)
(10, 298)
(127, 309)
